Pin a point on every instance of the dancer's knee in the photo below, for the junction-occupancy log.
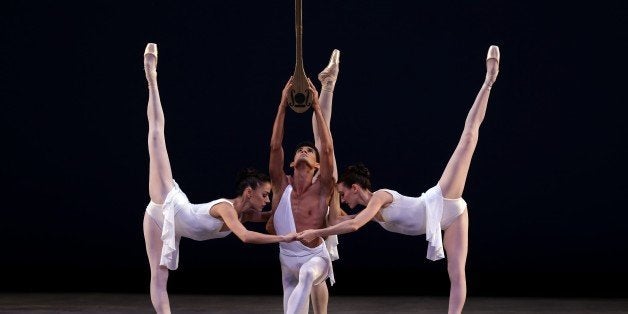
(159, 293)
(159, 278)
(307, 275)
(155, 135)
(470, 136)
(456, 272)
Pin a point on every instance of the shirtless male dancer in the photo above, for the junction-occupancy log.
(302, 204)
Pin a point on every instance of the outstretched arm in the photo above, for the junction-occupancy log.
(327, 146)
(325, 101)
(230, 217)
(275, 167)
(375, 204)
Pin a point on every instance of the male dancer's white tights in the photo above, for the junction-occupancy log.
(296, 291)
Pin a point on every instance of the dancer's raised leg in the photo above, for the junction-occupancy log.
(328, 78)
(160, 182)
(160, 175)
(452, 184)
(453, 178)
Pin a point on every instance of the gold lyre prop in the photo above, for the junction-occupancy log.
(300, 97)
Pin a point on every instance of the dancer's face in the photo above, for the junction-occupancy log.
(348, 195)
(305, 154)
(260, 196)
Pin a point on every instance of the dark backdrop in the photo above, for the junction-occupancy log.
(545, 190)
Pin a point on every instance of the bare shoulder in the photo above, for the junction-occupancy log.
(383, 196)
(219, 208)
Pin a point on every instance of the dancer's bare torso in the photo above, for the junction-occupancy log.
(309, 208)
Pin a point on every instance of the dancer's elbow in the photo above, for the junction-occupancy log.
(353, 225)
(275, 145)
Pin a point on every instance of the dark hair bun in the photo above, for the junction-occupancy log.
(249, 177)
(246, 173)
(360, 169)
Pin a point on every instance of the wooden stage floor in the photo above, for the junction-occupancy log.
(95, 303)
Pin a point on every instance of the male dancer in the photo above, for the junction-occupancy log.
(303, 203)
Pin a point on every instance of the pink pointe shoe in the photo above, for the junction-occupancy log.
(150, 62)
(329, 75)
(492, 68)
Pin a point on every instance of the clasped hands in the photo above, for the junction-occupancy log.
(305, 235)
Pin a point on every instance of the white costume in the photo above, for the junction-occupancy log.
(428, 214)
(293, 255)
(177, 218)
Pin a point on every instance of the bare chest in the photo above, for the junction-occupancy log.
(309, 210)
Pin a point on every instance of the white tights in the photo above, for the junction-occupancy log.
(297, 288)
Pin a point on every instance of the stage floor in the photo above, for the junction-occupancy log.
(140, 303)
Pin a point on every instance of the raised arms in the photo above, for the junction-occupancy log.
(326, 149)
(276, 163)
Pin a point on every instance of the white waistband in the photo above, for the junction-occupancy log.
(297, 248)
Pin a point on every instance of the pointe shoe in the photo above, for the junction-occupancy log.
(492, 69)
(329, 75)
(150, 62)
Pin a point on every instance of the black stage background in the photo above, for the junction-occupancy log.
(546, 187)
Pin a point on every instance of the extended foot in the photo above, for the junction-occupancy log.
(329, 75)
(492, 65)
(150, 63)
